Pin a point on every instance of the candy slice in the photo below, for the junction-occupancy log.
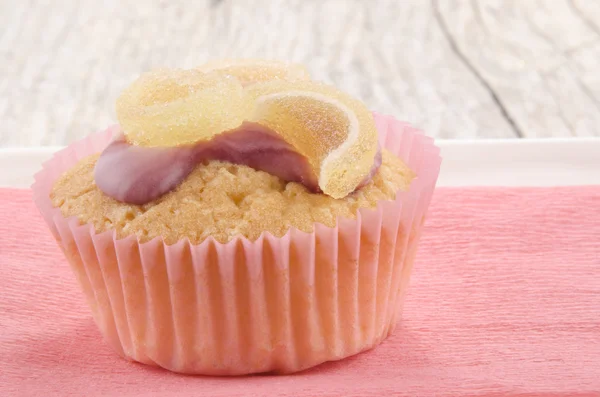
(333, 131)
(180, 107)
(250, 71)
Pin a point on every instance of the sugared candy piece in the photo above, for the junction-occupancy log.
(250, 71)
(334, 131)
(180, 107)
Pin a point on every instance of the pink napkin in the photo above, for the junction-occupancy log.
(505, 300)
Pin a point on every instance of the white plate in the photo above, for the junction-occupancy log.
(552, 162)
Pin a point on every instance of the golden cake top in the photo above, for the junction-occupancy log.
(221, 200)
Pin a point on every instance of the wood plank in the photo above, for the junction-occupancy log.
(539, 57)
(63, 66)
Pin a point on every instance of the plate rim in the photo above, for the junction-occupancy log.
(469, 162)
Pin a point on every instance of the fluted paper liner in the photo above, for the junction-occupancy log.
(278, 304)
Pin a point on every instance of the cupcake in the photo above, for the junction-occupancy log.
(226, 228)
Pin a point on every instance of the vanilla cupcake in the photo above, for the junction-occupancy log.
(272, 237)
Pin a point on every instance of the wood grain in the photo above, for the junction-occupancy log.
(535, 57)
(457, 69)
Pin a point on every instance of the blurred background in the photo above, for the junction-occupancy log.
(455, 68)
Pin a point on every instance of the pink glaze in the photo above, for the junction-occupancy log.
(138, 175)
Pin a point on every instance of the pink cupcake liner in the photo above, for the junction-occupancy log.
(278, 304)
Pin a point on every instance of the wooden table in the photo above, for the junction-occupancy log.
(456, 68)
